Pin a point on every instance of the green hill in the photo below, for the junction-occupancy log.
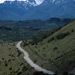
(22, 30)
(54, 50)
(12, 62)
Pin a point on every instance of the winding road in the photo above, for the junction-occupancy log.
(30, 62)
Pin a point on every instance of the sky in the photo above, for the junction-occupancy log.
(37, 1)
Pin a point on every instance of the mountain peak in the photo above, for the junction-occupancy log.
(26, 3)
(59, 1)
(38, 2)
(29, 9)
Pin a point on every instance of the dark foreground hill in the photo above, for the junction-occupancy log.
(11, 31)
(54, 50)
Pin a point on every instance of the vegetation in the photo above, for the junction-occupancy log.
(39, 73)
(55, 49)
(12, 62)
(11, 31)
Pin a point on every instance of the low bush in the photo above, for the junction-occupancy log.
(62, 35)
(51, 39)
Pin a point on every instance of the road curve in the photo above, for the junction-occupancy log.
(31, 63)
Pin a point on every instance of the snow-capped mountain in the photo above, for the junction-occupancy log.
(32, 2)
(30, 9)
(59, 1)
(22, 3)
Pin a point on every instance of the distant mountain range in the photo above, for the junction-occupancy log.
(29, 10)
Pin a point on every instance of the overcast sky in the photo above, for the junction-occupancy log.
(38, 1)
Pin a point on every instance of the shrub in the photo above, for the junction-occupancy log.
(72, 30)
(13, 44)
(19, 73)
(6, 64)
(25, 68)
(3, 58)
(10, 68)
(9, 48)
(0, 62)
(62, 35)
(39, 73)
(25, 44)
(65, 73)
(55, 48)
(35, 61)
(51, 39)
(9, 60)
(71, 74)
(44, 48)
(19, 53)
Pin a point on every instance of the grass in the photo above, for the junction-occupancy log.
(55, 52)
(12, 62)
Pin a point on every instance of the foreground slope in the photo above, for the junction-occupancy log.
(54, 50)
(12, 62)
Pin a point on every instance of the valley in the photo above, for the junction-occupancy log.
(53, 50)
(37, 37)
(27, 29)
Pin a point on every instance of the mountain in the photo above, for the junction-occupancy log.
(30, 9)
(54, 50)
(27, 29)
(52, 9)
(16, 9)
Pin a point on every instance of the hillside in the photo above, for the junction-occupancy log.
(11, 61)
(21, 30)
(55, 51)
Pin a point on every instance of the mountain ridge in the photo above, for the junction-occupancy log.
(30, 10)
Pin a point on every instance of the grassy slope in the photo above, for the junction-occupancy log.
(12, 62)
(55, 52)
(49, 55)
